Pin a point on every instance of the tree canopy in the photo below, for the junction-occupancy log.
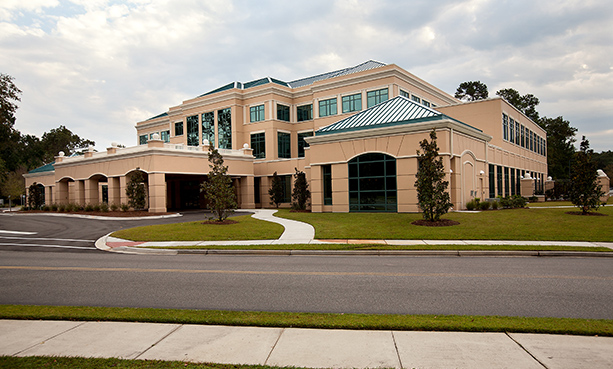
(218, 190)
(471, 91)
(525, 103)
(585, 192)
(560, 148)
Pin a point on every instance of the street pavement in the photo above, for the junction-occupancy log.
(312, 348)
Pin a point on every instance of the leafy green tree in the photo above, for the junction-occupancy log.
(301, 193)
(472, 91)
(9, 95)
(135, 190)
(14, 184)
(218, 190)
(560, 148)
(585, 192)
(525, 103)
(62, 139)
(276, 190)
(432, 195)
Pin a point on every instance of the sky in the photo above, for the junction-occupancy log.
(100, 66)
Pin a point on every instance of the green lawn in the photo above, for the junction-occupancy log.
(36, 362)
(512, 224)
(247, 228)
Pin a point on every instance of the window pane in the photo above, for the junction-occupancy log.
(302, 143)
(165, 136)
(179, 129)
(327, 107)
(256, 113)
(372, 183)
(304, 112)
(258, 144)
(192, 131)
(352, 103)
(208, 128)
(327, 183)
(142, 139)
(284, 145)
(375, 97)
(224, 126)
(283, 112)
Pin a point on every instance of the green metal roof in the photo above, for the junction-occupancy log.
(158, 116)
(45, 168)
(396, 111)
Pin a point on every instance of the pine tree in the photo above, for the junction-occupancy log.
(301, 193)
(585, 191)
(35, 196)
(276, 191)
(432, 195)
(135, 190)
(218, 190)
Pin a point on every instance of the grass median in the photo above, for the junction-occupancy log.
(462, 323)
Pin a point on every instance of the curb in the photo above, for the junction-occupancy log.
(95, 217)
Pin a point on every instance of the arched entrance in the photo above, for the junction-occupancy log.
(372, 183)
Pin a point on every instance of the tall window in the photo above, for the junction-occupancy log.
(327, 107)
(523, 136)
(518, 183)
(372, 183)
(506, 181)
(517, 134)
(302, 143)
(499, 179)
(286, 184)
(283, 112)
(511, 130)
(193, 138)
(513, 186)
(352, 103)
(492, 182)
(178, 128)
(284, 145)
(208, 128)
(304, 112)
(258, 144)
(375, 97)
(256, 190)
(224, 128)
(142, 139)
(326, 174)
(165, 136)
(505, 127)
(256, 113)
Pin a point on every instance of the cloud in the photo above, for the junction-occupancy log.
(100, 66)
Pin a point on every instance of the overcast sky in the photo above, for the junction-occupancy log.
(100, 66)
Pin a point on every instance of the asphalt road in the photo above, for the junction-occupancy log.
(520, 286)
(48, 233)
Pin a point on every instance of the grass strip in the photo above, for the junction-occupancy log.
(366, 246)
(36, 362)
(463, 323)
(247, 228)
(508, 224)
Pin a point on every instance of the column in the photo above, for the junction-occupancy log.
(157, 192)
(123, 183)
(114, 191)
(247, 200)
(91, 191)
(80, 192)
(62, 192)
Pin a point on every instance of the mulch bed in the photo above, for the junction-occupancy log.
(588, 213)
(224, 222)
(102, 213)
(299, 211)
(440, 223)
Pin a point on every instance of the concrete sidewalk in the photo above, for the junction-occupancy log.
(314, 348)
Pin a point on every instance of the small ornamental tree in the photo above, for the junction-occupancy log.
(301, 193)
(35, 196)
(135, 191)
(432, 195)
(276, 191)
(218, 190)
(585, 192)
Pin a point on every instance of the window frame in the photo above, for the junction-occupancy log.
(179, 128)
(328, 107)
(257, 113)
(284, 145)
(302, 110)
(258, 144)
(282, 110)
(375, 97)
(352, 102)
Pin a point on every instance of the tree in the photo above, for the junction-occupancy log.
(135, 190)
(432, 195)
(9, 95)
(62, 139)
(560, 148)
(472, 91)
(526, 103)
(276, 191)
(585, 192)
(301, 193)
(218, 190)
(35, 196)
(14, 184)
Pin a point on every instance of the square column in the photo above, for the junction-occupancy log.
(91, 191)
(157, 192)
(114, 191)
(247, 199)
(123, 183)
(80, 192)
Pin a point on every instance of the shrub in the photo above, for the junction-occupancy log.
(494, 205)
(104, 207)
(54, 207)
(471, 205)
(96, 207)
(89, 208)
(70, 207)
(518, 201)
(61, 208)
(45, 208)
(484, 205)
(114, 207)
(125, 207)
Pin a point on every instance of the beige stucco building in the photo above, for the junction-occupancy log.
(354, 132)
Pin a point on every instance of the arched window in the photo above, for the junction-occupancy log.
(372, 183)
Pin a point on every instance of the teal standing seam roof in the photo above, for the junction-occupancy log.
(45, 168)
(399, 110)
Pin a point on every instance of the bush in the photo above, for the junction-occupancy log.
(484, 205)
(114, 207)
(61, 208)
(45, 208)
(494, 205)
(125, 207)
(54, 207)
(97, 207)
(519, 201)
(104, 207)
(471, 205)
(70, 207)
(89, 208)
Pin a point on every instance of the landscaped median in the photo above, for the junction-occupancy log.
(382, 231)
